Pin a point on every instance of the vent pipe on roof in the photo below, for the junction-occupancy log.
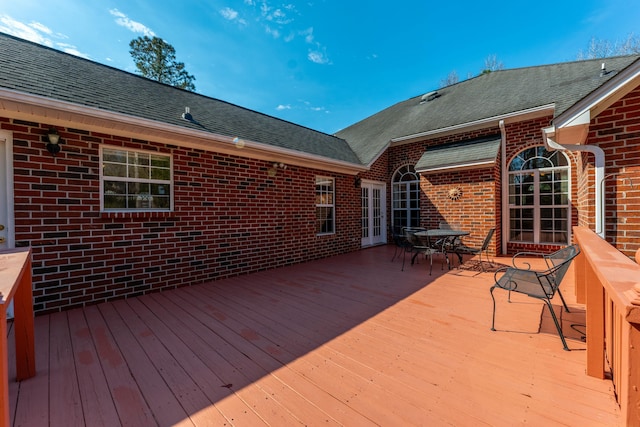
(429, 96)
(187, 114)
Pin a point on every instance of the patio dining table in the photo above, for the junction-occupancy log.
(440, 239)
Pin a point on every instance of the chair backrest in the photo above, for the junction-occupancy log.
(561, 261)
(559, 256)
(487, 239)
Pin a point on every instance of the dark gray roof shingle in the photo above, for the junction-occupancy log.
(489, 95)
(31, 68)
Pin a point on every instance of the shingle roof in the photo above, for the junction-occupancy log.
(488, 95)
(34, 69)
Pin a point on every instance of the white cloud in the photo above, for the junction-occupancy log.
(38, 33)
(134, 26)
(32, 32)
(229, 14)
(308, 35)
(318, 57)
(283, 107)
(232, 15)
(72, 50)
(272, 31)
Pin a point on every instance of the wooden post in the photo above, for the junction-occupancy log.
(4, 369)
(595, 323)
(23, 309)
(580, 264)
(632, 379)
(15, 284)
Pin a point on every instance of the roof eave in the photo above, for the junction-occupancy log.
(571, 126)
(22, 106)
(516, 116)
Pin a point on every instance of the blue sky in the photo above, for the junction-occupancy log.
(324, 64)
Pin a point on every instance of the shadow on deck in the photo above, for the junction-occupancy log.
(348, 340)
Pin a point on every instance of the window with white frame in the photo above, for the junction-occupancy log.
(539, 197)
(406, 198)
(134, 180)
(325, 205)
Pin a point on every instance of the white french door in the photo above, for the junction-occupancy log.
(374, 213)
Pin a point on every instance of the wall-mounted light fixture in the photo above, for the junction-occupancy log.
(273, 170)
(357, 182)
(53, 146)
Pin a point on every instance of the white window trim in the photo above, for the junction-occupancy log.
(536, 206)
(327, 205)
(151, 181)
(405, 188)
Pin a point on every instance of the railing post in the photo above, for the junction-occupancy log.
(580, 288)
(15, 284)
(631, 378)
(4, 370)
(595, 320)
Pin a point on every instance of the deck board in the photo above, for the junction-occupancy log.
(348, 340)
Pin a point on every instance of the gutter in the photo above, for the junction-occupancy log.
(534, 112)
(19, 105)
(598, 153)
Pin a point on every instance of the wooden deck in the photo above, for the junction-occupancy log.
(348, 340)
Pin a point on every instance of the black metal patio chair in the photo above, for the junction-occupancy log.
(400, 240)
(540, 284)
(461, 249)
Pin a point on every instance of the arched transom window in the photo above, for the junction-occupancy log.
(406, 198)
(539, 197)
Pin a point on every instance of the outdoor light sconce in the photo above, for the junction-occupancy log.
(357, 182)
(54, 139)
(273, 171)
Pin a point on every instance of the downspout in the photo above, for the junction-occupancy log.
(598, 153)
(505, 185)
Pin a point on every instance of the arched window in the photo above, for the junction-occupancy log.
(539, 197)
(406, 198)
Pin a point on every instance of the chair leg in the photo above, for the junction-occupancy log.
(493, 314)
(558, 327)
(563, 303)
(404, 255)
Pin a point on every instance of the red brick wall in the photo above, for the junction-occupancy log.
(617, 131)
(230, 218)
(478, 208)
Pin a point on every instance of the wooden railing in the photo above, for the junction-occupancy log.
(608, 282)
(15, 284)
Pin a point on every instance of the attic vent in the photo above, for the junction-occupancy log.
(429, 96)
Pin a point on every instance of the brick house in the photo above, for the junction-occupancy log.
(151, 187)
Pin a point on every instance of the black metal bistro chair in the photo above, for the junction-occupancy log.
(400, 240)
(461, 249)
(542, 285)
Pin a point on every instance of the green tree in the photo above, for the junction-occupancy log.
(156, 59)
